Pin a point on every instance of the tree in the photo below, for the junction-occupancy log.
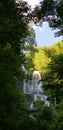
(41, 58)
(30, 41)
(51, 11)
(30, 50)
(46, 116)
(13, 32)
(53, 78)
(48, 60)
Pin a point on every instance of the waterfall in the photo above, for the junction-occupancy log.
(33, 87)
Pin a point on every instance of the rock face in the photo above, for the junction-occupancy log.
(37, 75)
(33, 89)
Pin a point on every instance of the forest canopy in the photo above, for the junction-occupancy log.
(19, 52)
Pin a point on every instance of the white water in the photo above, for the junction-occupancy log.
(34, 87)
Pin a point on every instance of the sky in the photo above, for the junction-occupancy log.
(44, 35)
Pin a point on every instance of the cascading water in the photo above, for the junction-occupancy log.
(33, 87)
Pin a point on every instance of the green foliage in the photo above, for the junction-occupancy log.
(53, 79)
(13, 32)
(30, 41)
(59, 125)
(51, 11)
(30, 58)
(49, 61)
(53, 76)
(12, 27)
(16, 38)
(39, 59)
(46, 118)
